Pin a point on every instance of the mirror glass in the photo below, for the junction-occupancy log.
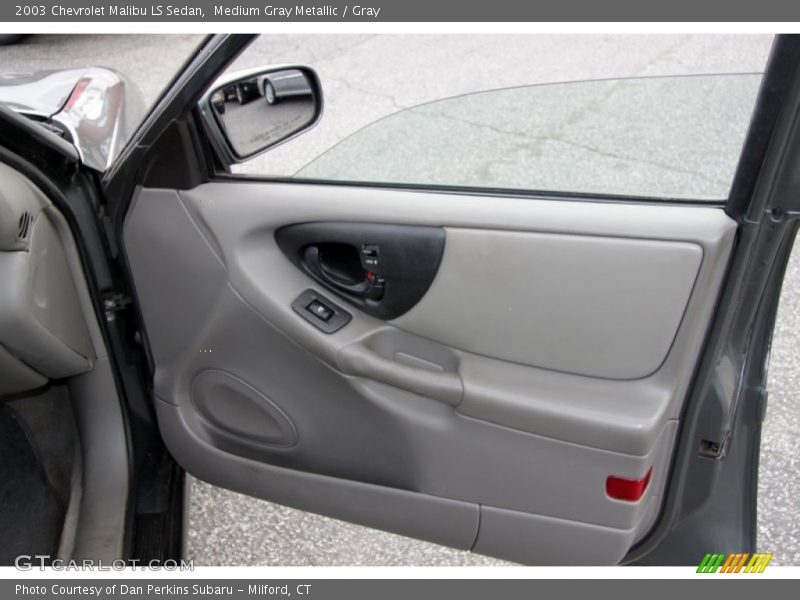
(258, 111)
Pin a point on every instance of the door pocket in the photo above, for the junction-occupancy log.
(236, 411)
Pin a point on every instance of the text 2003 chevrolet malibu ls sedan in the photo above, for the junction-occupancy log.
(569, 376)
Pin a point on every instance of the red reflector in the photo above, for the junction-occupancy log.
(627, 489)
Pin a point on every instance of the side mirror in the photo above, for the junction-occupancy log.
(248, 112)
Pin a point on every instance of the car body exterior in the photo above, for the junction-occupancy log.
(283, 84)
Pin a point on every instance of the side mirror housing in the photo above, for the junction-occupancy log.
(248, 112)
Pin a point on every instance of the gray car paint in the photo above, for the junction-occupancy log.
(286, 83)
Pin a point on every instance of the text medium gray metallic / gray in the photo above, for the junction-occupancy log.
(393, 11)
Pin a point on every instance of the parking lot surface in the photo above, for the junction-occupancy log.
(226, 528)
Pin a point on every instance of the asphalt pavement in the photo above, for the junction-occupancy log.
(366, 78)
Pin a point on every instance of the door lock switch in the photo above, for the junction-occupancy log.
(369, 256)
(319, 310)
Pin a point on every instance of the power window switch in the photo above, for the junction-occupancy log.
(324, 314)
(319, 310)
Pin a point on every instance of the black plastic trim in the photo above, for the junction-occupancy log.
(225, 177)
(771, 96)
(410, 256)
(338, 319)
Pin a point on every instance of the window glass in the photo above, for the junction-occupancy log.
(644, 116)
(671, 137)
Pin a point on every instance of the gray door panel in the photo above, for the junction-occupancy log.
(440, 520)
(590, 305)
(553, 349)
(43, 332)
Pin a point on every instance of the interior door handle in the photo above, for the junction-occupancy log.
(382, 269)
(360, 360)
(366, 288)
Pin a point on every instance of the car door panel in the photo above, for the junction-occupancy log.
(626, 296)
(553, 349)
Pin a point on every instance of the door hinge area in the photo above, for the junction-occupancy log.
(715, 449)
(778, 214)
(115, 302)
(108, 231)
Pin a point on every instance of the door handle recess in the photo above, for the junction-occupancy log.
(357, 359)
(370, 286)
(381, 269)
